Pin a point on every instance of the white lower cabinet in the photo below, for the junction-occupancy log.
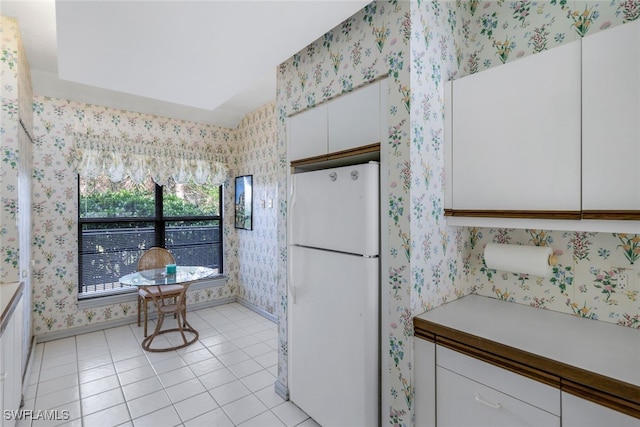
(578, 412)
(463, 402)
(474, 393)
(11, 367)
(488, 373)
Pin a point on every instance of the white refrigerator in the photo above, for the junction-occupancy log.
(334, 295)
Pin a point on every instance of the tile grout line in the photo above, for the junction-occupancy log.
(120, 385)
(237, 325)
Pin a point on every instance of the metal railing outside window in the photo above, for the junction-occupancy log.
(113, 233)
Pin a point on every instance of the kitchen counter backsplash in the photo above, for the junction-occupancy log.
(597, 275)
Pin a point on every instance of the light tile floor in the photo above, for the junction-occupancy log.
(104, 378)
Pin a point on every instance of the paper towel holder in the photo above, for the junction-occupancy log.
(522, 259)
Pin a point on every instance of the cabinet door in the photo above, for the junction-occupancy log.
(3, 374)
(516, 135)
(611, 128)
(463, 402)
(578, 412)
(11, 364)
(510, 383)
(354, 119)
(308, 133)
(425, 382)
(448, 146)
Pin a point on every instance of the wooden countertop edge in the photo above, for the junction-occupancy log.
(8, 311)
(504, 213)
(606, 391)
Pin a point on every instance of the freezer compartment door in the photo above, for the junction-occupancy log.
(333, 341)
(337, 209)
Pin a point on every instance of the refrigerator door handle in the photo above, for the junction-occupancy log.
(290, 284)
(293, 189)
(292, 206)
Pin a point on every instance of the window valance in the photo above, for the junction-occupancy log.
(120, 157)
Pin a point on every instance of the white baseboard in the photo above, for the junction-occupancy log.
(261, 311)
(152, 315)
(27, 369)
(281, 390)
(121, 322)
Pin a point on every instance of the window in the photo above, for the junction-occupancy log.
(118, 221)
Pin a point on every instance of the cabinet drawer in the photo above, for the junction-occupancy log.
(527, 390)
(463, 402)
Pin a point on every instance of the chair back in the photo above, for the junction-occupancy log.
(155, 258)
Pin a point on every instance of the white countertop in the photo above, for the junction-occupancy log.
(7, 292)
(599, 347)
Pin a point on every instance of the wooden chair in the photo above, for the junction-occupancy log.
(155, 258)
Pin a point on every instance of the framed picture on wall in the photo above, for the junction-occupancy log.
(244, 202)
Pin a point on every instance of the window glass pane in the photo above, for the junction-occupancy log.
(111, 250)
(101, 198)
(184, 200)
(118, 221)
(195, 242)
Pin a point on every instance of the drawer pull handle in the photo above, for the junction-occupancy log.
(486, 403)
(3, 375)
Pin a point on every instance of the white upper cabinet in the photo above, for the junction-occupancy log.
(555, 132)
(516, 136)
(611, 119)
(354, 119)
(351, 121)
(308, 133)
(448, 149)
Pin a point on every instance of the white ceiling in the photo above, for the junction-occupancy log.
(209, 61)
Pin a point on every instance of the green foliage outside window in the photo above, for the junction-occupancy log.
(117, 204)
(123, 200)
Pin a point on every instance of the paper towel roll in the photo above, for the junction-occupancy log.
(519, 258)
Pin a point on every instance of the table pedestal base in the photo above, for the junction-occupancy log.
(179, 310)
(146, 343)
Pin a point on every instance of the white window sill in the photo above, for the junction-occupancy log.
(130, 296)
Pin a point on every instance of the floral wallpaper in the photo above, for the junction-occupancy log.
(253, 255)
(15, 94)
(586, 282)
(371, 44)
(490, 33)
(250, 258)
(16, 130)
(54, 247)
(419, 45)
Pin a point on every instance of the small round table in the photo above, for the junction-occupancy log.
(184, 276)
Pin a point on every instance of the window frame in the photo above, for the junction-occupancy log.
(159, 225)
